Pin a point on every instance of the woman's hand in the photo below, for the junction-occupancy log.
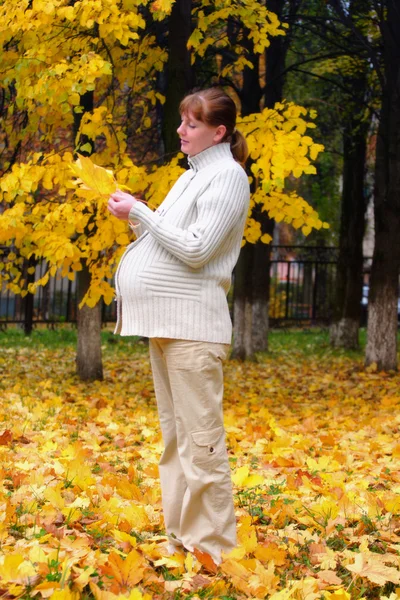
(120, 203)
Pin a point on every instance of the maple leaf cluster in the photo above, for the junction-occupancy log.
(315, 453)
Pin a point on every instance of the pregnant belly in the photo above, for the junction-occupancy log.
(138, 276)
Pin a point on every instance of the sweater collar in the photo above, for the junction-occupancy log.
(209, 156)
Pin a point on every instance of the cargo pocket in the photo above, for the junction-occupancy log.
(208, 447)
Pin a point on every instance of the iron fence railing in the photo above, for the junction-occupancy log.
(302, 284)
(302, 289)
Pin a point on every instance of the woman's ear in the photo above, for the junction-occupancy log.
(219, 133)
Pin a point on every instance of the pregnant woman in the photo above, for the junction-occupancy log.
(172, 284)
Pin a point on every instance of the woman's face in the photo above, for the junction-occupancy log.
(196, 136)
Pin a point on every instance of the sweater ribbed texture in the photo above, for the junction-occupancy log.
(173, 280)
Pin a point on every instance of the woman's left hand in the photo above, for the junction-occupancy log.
(120, 203)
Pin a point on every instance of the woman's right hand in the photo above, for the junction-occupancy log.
(120, 204)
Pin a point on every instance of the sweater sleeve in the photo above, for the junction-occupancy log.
(219, 208)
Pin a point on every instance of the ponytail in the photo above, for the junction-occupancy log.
(239, 147)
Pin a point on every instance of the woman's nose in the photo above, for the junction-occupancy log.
(180, 128)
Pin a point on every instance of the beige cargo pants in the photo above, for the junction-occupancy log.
(194, 468)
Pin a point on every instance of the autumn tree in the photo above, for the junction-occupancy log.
(384, 283)
(85, 77)
(337, 70)
(384, 55)
(343, 53)
(349, 279)
(66, 68)
(256, 78)
(252, 274)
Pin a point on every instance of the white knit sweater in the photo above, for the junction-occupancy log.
(173, 280)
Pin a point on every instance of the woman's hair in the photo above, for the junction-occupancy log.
(214, 107)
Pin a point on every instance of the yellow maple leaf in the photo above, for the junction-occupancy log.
(263, 581)
(136, 516)
(162, 5)
(137, 595)
(83, 576)
(337, 595)
(271, 552)
(247, 536)
(53, 495)
(92, 177)
(100, 594)
(373, 570)
(16, 569)
(121, 536)
(238, 574)
(242, 478)
(129, 571)
(10, 566)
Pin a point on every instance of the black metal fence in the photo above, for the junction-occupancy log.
(55, 302)
(302, 285)
(302, 290)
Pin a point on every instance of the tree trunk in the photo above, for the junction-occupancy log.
(275, 57)
(243, 343)
(261, 287)
(179, 72)
(384, 284)
(89, 364)
(29, 298)
(349, 278)
(88, 359)
(251, 328)
(242, 305)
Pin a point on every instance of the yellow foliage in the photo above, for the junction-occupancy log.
(279, 149)
(259, 23)
(55, 54)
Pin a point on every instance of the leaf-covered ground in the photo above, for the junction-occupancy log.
(314, 442)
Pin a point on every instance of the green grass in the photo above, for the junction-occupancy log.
(313, 341)
(310, 341)
(61, 336)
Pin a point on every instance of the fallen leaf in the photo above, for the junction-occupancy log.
(374, 570)
(329, 577)
(6, 437)
(206, 560)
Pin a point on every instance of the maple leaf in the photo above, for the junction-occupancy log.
(206, 560)
(17, 570)
(100, 594)
(374, 570)
(269, 552)
(242, 478)
(93, 177)
(264, 581)
(6, 437)
(238, 574)
(247, 535)
(337, 595)
(126, 572)
(329, 577)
